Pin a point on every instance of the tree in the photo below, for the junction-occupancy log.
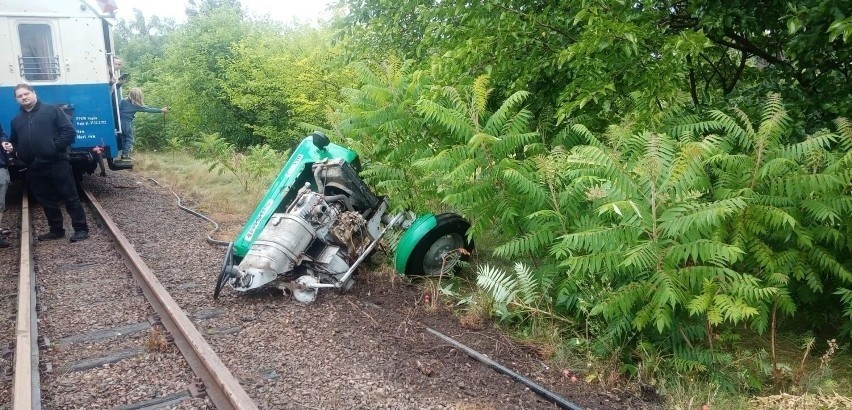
(597, 59)
(194, 75)
(789, 44)
(283, 77)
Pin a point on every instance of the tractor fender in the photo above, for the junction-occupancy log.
(410, 238)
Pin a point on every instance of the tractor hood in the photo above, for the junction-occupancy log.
(294, 174)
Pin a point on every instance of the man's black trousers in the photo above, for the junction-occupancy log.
(51, 184)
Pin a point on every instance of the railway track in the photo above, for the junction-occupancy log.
(95, 305)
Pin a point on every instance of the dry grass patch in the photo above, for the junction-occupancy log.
(473, 319)
(156, 341)
(805, 401)
(220, 196)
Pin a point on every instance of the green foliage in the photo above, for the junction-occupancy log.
(253, 169)
(600, 59)
(798, 198)
(652, 234)
(379, 121)
(252, 82)
(141, 44)
(837, 29)
(672, 239)
(668, 238)
(515, 294)
(480, 174)
(217, 153)
(261, 163)
(194, 69)
(280, 78)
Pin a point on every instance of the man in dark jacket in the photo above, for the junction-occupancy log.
(42, 135)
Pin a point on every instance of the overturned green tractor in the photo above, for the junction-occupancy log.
(319, 221)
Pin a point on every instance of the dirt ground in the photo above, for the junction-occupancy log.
(400, 308)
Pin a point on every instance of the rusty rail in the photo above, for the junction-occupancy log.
(26, 385)
(221, 386)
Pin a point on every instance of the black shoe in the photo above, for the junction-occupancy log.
(4, 243)
(51, 236)
(79, 236)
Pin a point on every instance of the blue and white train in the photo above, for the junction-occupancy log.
(64, 50)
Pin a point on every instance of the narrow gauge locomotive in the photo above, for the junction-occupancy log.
(64, 50)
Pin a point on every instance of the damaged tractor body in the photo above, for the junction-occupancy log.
(319, 221)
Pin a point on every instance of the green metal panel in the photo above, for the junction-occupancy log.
(306, 153)
(418, 229)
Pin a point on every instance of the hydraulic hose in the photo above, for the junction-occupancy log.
(541, 391)
(210, 240)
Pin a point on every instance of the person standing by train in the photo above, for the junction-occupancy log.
(127, 109)
(42, 135)
(115, 72)
(4, 184)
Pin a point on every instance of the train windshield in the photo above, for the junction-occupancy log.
(38, 61)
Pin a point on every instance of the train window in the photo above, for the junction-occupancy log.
(38, 62)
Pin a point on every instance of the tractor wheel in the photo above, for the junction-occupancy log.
(441, 249)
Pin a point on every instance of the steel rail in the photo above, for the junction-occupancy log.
(221, 386)
(26, 385)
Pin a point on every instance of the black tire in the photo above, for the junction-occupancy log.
(448, 235)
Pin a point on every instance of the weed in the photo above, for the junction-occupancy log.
(157, 341)
(688, 395)
(434, 291)
(473, 320)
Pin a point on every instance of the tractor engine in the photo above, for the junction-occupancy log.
(314, 242)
